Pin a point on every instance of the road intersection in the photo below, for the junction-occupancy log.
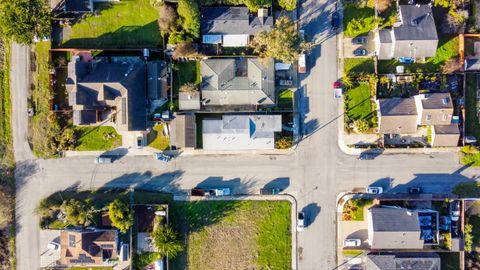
(314, 173)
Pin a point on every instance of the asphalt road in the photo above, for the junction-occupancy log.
(314, 174)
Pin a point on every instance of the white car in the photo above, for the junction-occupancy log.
(53, 246)
(352, 242)
(374, 190)
(300, 221)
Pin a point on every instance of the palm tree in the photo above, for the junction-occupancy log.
(166, 241)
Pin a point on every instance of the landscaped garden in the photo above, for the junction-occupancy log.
(285, 100)
(235, 234)
(131, 23)
(353, 210)
(360, 111)
(97, 138)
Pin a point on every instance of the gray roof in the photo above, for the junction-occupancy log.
(447, 129)
(417, 23)
(394, 228)
(157, 79)
(232, 20)
(102, 85)
(237, 81)
(183, 131)
(403, 260)
(397, 106)
(436, 101)
(385, 35)
(189, 101)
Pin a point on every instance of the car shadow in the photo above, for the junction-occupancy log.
(311, 212)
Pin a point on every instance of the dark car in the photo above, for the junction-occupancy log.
(335, 20)
(359, 40)
(415, 190)
(269, 191)
(366, 156)
(360, 52)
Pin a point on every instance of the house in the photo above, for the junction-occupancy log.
(445, 135)
(237, 81)
(101, 90)
(87, 247)
(397, 116)
(241, 132)
(183, 130)
(403, 260)
(232, 26)
(434, 109)
(414, 35)
(393, 228)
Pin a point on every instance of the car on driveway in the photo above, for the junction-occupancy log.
(352, 242)
(360, 52)
(415, 190)
(374, 190)
(455, 210)
(300, 221)
(53, 246)
(359, 40)
(337, 90)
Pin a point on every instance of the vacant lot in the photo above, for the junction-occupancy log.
(358, 104)
(128, 23)
(97, 138)
(236, 234)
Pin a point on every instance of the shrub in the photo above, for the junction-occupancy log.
(189, 88)
(254, 5)
(284, 143)
(360, 126)
(190, 14)
(185, 49)
(176, 37)
(166, 241)
(78, 213)
(167, 19)
(288, 5)
(121, 215)
(468, 237)
(360, 26)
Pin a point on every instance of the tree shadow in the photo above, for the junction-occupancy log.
(237, 186)
(311, 212)
(281, 183)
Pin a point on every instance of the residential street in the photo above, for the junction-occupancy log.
(314, 174)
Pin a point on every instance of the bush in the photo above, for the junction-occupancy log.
(190, 15)
(360, 126)
(167, 19)
(176, 37)
(288, 5)
(78, 213)
(121, 215)
(166, 241)
(284, 143)
(360, 26)
(468, 237)
(467, 190)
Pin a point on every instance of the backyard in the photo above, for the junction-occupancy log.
(186, 72)
(447, 50)
(356, 66)
(235, 234)
(359, 106)
(97, 138)
(472, 125)
(157, 139)
(116, 26)
(285, 100)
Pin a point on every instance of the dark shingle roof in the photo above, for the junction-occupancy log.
(417, 23)
(403, 260)
(447, 129)
(385, 35)
(436, 101)
(397, 106)
(232, 20)
(394, 220)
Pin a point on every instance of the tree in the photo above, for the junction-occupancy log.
(78, 213)
(176, 37)
(383, 5)
(185, 49)
(254, 5)
(361, 126)
(284, 143)
(121, 215)
(166, 241)
(68, 139)
(167, 19)
(288, 5)
(190, 14)
(347, 81)
(282, 42)
(468, 237)
(6, 202)
(22, 20)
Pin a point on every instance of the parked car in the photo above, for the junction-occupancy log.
(366, 156)
(455, 210)
(360, 52)
(374, 190)
(454, 230)
(470, 140)
(359, 40)
(337, 90)
(406, 60)
(352, 242)
(53, 246)
(269, 191)
(300, 221)
(162, 157)
(355, 267)
(415, 190)
(219, 192)
(335, 20)
(302, 63)
(103, 160)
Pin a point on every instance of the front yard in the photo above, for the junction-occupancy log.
(357, 66)
(358, 19)
(447, 50)
(131, 23)
(359, 107)
(157, 138)
(97, 138)
(285, 100)
(235, 234)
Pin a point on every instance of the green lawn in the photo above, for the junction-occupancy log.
(470, 155)
(358, 104)
(285, 100)
(97, 138)
(358, 20)
(472, 125)
(145, 258)
(352, 253)
(353, 66)
(157, 140)
(236, 234)
(450, 260)
(447, 49)
(128, 23)
(186, 72)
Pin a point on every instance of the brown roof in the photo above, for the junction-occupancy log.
(183, 131)
(87, 247)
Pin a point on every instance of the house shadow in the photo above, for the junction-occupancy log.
(311, 212)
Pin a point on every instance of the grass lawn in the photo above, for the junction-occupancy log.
(354, 66)
(358, 20)
(186, 72)
(285, 100)
(354, 209)
(97, 138)
(472, 125)
(129, 23)
(450, 260)
(358, 104)
(470, 155)
(157, 140)
(236, 234)
(447, 49)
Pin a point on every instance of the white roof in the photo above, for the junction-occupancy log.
(235, 40)
(241, 132)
